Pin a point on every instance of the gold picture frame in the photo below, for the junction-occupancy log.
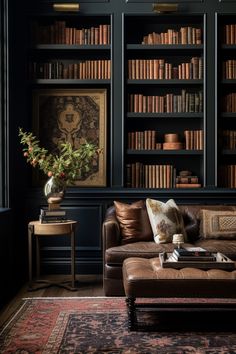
(73, 115)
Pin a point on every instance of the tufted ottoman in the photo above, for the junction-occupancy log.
(145, 278)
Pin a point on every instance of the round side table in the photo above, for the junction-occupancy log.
(36, 229)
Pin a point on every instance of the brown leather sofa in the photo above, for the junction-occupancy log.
(115, 252)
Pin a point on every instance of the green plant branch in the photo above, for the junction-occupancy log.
(70, 164)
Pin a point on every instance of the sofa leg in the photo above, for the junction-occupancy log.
(132, 317)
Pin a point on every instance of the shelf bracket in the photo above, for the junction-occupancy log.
(66, 7)
(164, 7)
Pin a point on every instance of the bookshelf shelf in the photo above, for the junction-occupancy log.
(228, 46)
(70, 82)
(228, 115)
(71, 47)
(183, 115)
(165, 152)
(169, 47)
(229, 81)
(229, 152)
(165, 82)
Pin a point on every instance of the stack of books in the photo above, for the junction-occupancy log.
(52, 216)
(195, 254)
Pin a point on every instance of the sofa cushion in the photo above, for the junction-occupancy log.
(134, 222)
(116, 255)
(227, 247)
(218, 224)
(166, 220)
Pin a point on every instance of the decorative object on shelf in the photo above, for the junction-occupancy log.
(172, 142)
(66, 7)
(185, 179)
(171, 138)
(62, 168)
(164, 8)
(75, 116)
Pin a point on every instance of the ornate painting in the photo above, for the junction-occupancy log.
(73, 115)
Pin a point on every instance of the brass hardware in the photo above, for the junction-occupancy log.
(164, 8)
(66, 7)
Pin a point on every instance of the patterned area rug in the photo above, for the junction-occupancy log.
(99, 325)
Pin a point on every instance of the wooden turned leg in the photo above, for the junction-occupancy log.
(132, 318)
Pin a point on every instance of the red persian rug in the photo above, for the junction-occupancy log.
(99, 325)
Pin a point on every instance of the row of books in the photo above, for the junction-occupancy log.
(194, 139)
(185, 35)
(169, 103)
(229, 69)
(89, 69)
(229, 102)
(146, 140)
(60, 33)
(139, 175)
(142, 140)
(229, 33)
(195, 254)
(227, 176)
(229, 139)
(52, 216)
(142, 69)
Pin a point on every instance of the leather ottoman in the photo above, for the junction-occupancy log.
(145, 278)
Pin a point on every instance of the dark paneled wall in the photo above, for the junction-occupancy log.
(88, 205)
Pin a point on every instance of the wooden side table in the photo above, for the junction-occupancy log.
(37, 229)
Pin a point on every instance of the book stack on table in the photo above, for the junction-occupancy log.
(52, 216)
(195, 257)
(195, 254)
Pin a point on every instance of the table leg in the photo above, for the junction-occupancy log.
(73, 257)
(132, 317)
(30, 235)
(37, 257)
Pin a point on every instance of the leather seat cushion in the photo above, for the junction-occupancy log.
(227, 247)
(116, 255)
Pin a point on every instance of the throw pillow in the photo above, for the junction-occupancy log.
(191, 225)
(134, 222)
(165, 219)
(218, 224)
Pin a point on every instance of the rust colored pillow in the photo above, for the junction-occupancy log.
(216, 224)
(134, 222)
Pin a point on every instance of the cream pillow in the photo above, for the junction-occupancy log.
(165, 219)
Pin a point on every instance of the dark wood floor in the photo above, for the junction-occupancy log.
(87, 285)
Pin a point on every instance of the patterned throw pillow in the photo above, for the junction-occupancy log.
(166, 220)
(218, 224)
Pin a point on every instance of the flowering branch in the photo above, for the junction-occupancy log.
(67, 166)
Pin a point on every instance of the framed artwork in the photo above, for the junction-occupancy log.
(73, 115)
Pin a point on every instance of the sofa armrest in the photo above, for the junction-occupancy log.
(110, 230)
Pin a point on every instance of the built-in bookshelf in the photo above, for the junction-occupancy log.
(70, 48)
(226, 109)
(70, 65)
(163, 97)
